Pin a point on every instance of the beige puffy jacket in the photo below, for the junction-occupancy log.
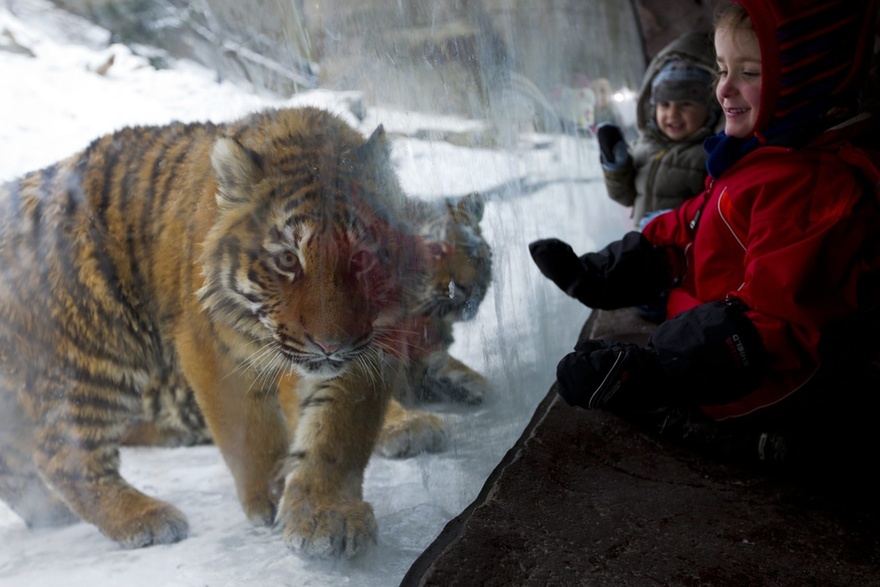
(661, 173)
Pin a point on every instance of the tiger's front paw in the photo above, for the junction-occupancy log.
(329, 530)
(410, 433)
(141, 521)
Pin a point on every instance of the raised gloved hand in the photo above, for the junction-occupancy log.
(710, 355)
(627, 272)
(558, 262)
(610, 375)
(613, 152)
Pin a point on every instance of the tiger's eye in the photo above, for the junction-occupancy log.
(440, 249)
(286, 261)
(362, 261)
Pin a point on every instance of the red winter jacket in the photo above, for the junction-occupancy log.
(782, 230)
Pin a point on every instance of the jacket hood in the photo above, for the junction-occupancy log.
(695, 48)
(814, 55)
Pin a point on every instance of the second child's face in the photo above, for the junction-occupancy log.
(679, 119)
(739, 80)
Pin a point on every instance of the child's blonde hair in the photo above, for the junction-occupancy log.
(733, 17)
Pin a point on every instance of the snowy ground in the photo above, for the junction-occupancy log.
(54, 103)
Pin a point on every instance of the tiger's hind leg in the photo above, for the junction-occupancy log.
(21, 487)
(169, 415)
(443, 378)
(77, 454)
(25, 493)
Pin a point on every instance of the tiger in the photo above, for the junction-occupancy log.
(458, 275)
(457, 278)
(450, 292)
(231, 259)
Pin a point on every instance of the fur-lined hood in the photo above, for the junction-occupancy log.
(696, 48)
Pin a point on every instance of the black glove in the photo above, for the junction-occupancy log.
(558, 262)
(610, 138)
(628, 272)
(713, 353)
(611, 375)
(710, 355)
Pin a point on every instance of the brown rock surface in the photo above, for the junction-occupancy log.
(586, 498)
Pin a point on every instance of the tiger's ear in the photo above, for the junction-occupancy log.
(236, 167)
(376, 148)
(374, 158)
(469, 208)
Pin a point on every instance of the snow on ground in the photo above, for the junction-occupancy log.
(53, 104)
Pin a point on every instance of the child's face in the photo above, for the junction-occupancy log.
(679, 119)
(739, 80)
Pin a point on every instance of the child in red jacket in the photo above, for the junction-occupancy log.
(775, 258)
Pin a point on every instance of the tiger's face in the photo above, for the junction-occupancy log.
(318, 285)
(461, 261)
(302, 262)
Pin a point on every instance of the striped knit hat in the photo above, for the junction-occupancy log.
(814, 55)
(679, 79)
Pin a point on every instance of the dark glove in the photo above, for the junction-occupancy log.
(628, 272)
(710, 355)
(713, 353)
(610, 375)
(612, 147)
(558, 262)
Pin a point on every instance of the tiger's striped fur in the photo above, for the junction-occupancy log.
(456, 280)
(236, 258)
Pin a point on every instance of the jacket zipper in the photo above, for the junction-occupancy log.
(696, 219)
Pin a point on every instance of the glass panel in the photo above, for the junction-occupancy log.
(497, 97)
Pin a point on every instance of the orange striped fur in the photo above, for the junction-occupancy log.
(233, 260)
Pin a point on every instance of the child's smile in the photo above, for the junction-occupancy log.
(678, 119)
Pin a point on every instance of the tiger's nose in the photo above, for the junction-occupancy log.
(327, 347)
